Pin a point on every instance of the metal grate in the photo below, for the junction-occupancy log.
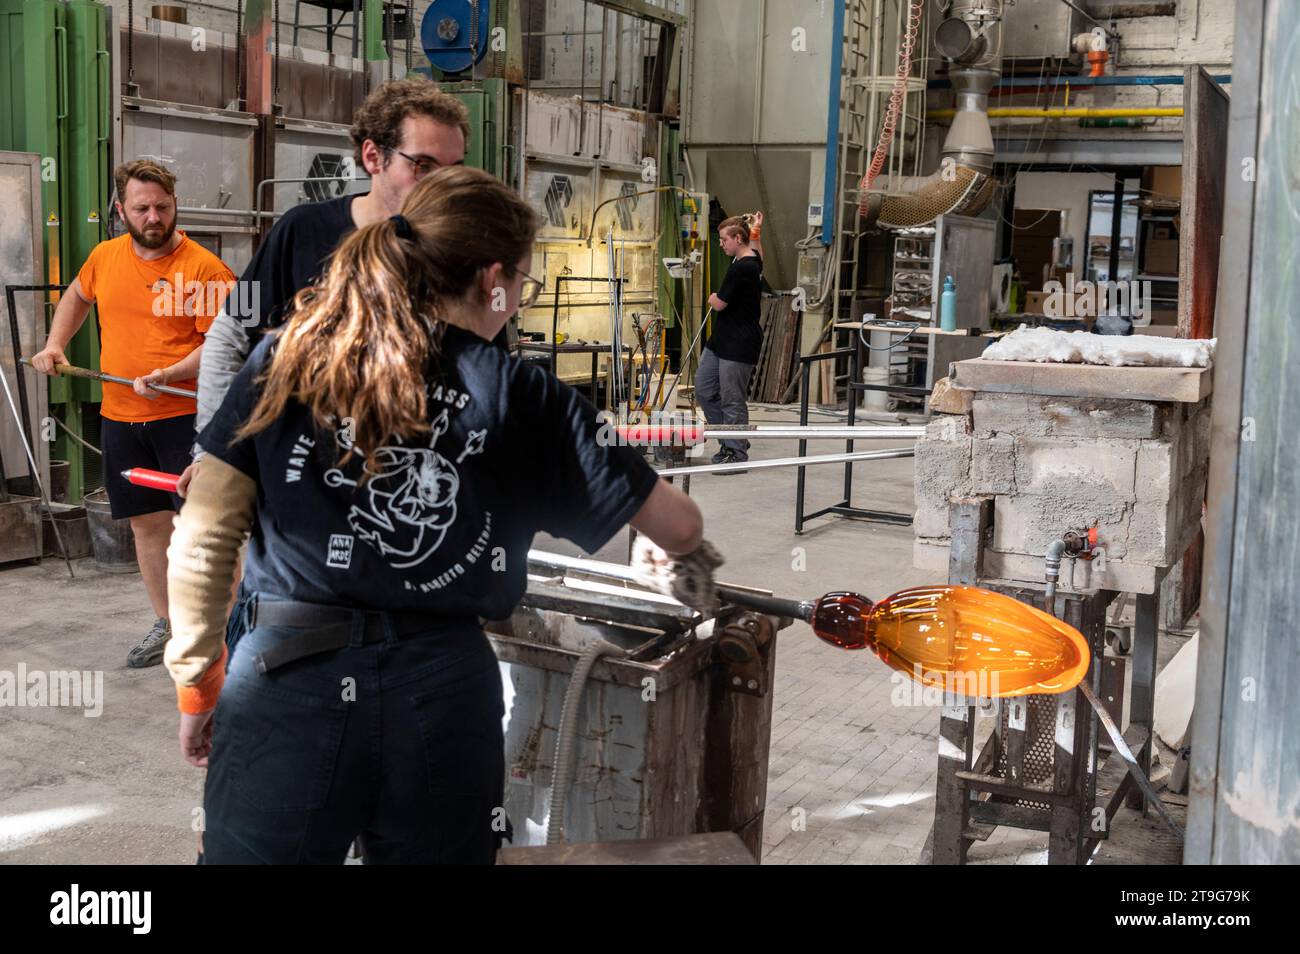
(1040, 745)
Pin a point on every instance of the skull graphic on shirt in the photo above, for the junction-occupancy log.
(408, 503)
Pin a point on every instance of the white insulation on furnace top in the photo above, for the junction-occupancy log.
(1083, 347)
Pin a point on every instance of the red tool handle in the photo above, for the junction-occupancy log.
(660, 434)
(156, 479)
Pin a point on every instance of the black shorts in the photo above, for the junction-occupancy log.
(157, 445)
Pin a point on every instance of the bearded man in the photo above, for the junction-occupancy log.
(158, 292)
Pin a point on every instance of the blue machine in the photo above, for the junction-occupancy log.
(455, 34)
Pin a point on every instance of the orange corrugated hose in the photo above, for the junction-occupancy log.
(896, 97)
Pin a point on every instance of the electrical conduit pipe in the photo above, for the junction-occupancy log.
(1065, 112)
(566, 743)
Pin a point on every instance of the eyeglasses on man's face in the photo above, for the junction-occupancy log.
(421, 165)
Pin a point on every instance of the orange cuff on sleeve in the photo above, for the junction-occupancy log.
(202, 696)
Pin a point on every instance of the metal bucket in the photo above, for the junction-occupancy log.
(59, 473)
(876, 400)
(74, 531)
(20, 528)
(111, 540)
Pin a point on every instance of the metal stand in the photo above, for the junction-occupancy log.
(595, 349)
(1041, 768)
(845, 507)
(344, 7)
(556, 349)
(25, 426)
(23, 419)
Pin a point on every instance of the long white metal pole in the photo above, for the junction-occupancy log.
(788, 462)
(812, 433)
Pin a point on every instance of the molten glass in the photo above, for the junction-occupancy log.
(959, 638)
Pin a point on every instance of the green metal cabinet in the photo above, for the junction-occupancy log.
(56, 102)
(486, 102)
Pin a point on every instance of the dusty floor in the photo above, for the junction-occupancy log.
(857, 770)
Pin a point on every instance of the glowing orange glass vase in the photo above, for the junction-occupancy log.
(955, 636)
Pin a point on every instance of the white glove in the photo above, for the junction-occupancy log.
(687, 578)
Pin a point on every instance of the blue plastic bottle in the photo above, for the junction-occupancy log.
(948, 306)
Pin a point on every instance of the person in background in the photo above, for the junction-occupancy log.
(158, 292)
(732, 351)
(392, 466)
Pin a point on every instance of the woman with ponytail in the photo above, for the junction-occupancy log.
(392, 468)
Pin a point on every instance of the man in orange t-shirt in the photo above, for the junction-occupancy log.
(158, 292)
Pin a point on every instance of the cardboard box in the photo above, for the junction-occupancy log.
(1161, 257)
(1167, 181)
(1034, 302)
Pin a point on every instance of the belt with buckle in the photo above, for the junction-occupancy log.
(328, 627)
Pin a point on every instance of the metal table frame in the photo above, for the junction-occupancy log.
(595, 349)
(28, 424)
(845, 507)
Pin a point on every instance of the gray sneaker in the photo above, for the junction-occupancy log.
(151, 648)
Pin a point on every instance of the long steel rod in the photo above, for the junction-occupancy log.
(651, 432)
(794, 609)
(690, 352)
(789, 462)
(812, 432)
(36, 471)
(73, 371)
(1124, 752)
(1130, 760)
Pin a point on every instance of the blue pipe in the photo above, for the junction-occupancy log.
(829, 210)
(1174, 79)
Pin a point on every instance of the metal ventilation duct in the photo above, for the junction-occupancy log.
(963, 183)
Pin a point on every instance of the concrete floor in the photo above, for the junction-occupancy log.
(851, 776)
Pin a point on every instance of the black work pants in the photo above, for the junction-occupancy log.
(393, 740)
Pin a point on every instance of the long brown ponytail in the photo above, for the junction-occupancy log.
(360, 341)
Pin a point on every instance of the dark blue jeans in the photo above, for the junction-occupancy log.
(398, 742)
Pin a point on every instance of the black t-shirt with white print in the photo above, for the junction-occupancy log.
(445, 523)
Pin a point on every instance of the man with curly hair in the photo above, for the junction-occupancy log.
(403, 130)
